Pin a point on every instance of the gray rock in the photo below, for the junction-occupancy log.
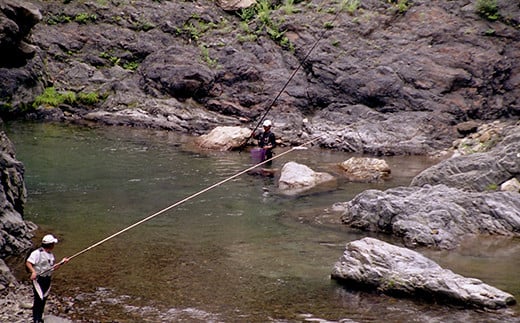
(363, 169)
(479, 171)
(371, 263)
(437, 216)
(15, 233)
(224, 138)
(297, 179)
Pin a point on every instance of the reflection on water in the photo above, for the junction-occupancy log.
(237, 253)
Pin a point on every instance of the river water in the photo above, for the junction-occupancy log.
(237, 253)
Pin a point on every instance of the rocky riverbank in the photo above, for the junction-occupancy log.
(383, 79)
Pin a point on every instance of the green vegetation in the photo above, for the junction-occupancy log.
(328, 25)
(116, 61)
(53, 98)
(204, 53)
(349, 6)
(58, 19)
(260, 16)
(80, 18)
(90, 98)
(195, 27)
(401, 5)
(142, 25)
(492, 187)
(487, 9)
(84, 18)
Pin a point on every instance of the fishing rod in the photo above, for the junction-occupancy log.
(288, 81)
(302, 146)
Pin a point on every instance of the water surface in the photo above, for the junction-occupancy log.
(237, 253)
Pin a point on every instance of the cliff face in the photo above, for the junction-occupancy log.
(384, 77)
(15, 233)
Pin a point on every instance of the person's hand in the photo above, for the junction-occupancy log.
(63, 261)
(33, 275)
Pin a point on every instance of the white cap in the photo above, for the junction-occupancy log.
(267, 123)
(49, 239)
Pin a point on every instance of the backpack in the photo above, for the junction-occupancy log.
(28, 255)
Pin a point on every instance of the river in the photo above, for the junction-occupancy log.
(237, 253)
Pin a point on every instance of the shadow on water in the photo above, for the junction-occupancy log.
(238, 253)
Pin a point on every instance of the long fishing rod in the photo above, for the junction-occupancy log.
(288, 81)
(177, 204)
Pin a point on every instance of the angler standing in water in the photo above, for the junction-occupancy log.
(41, 265)
(267, 141)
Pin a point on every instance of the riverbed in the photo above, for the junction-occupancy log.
(240, 252)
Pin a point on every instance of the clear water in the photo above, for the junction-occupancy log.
(237, 253)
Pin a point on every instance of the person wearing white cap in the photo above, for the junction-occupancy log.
(267, 140)
(41, 264)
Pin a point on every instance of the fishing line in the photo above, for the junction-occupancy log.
(179, 203)
(289, 80)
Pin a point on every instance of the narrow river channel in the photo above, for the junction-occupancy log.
(238, 253)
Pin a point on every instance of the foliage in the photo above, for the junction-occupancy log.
(492, 187)
(487, 9)
(328, 25)
(50, 97)
(401, 5)
(90, 98)
(58, 19)
(206, 58)
(349, 6)
(143, 25)
(83, 18)
(195, 27)
(260, 15)
(132, 66)
(114, 60)
(288, 7)
(53, 98)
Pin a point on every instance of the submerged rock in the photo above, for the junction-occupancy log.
(374, 264)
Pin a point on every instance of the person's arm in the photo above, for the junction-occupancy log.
(272, 141)
(62, 262)
(30, 266)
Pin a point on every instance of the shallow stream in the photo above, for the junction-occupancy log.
(237, 253)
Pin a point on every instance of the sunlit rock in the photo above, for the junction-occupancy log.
(224, 138)
(512, 185)
(436, 216)
(374, 264)
(232, 5)
(362, 169)
(297, 178)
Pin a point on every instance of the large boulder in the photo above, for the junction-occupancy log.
(374, 264)
(436, 216)
(297, 179)
(224, 138)
(366, 170)
(478, 171)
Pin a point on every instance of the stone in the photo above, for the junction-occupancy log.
(298, 178)
(374, 264)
